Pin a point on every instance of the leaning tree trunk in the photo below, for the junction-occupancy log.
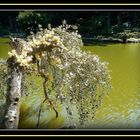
(13, 95)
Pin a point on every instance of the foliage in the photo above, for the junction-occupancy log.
(69, 75)
(90, 23)
(3, 77)
(3, 87)
(29, 21)
(95, 25)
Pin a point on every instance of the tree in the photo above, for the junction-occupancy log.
(8, 22)
(69, 75)
(29, 21)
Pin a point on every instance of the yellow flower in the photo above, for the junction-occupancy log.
(38, 56)
(57, 39)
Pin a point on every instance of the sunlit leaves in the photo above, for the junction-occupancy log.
(69, 75)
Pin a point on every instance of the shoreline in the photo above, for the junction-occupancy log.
(89, 40)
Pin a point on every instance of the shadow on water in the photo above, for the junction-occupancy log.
(99, 44)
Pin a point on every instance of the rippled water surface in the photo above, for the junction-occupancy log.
(121, 108)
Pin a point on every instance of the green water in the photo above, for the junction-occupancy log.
(121, 107)
(4, 47)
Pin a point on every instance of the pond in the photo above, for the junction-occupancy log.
(121, 107)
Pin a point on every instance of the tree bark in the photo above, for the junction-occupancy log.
(11, 119)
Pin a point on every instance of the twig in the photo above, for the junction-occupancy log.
(45, 92)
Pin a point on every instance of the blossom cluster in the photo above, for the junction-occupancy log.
(35, 45)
